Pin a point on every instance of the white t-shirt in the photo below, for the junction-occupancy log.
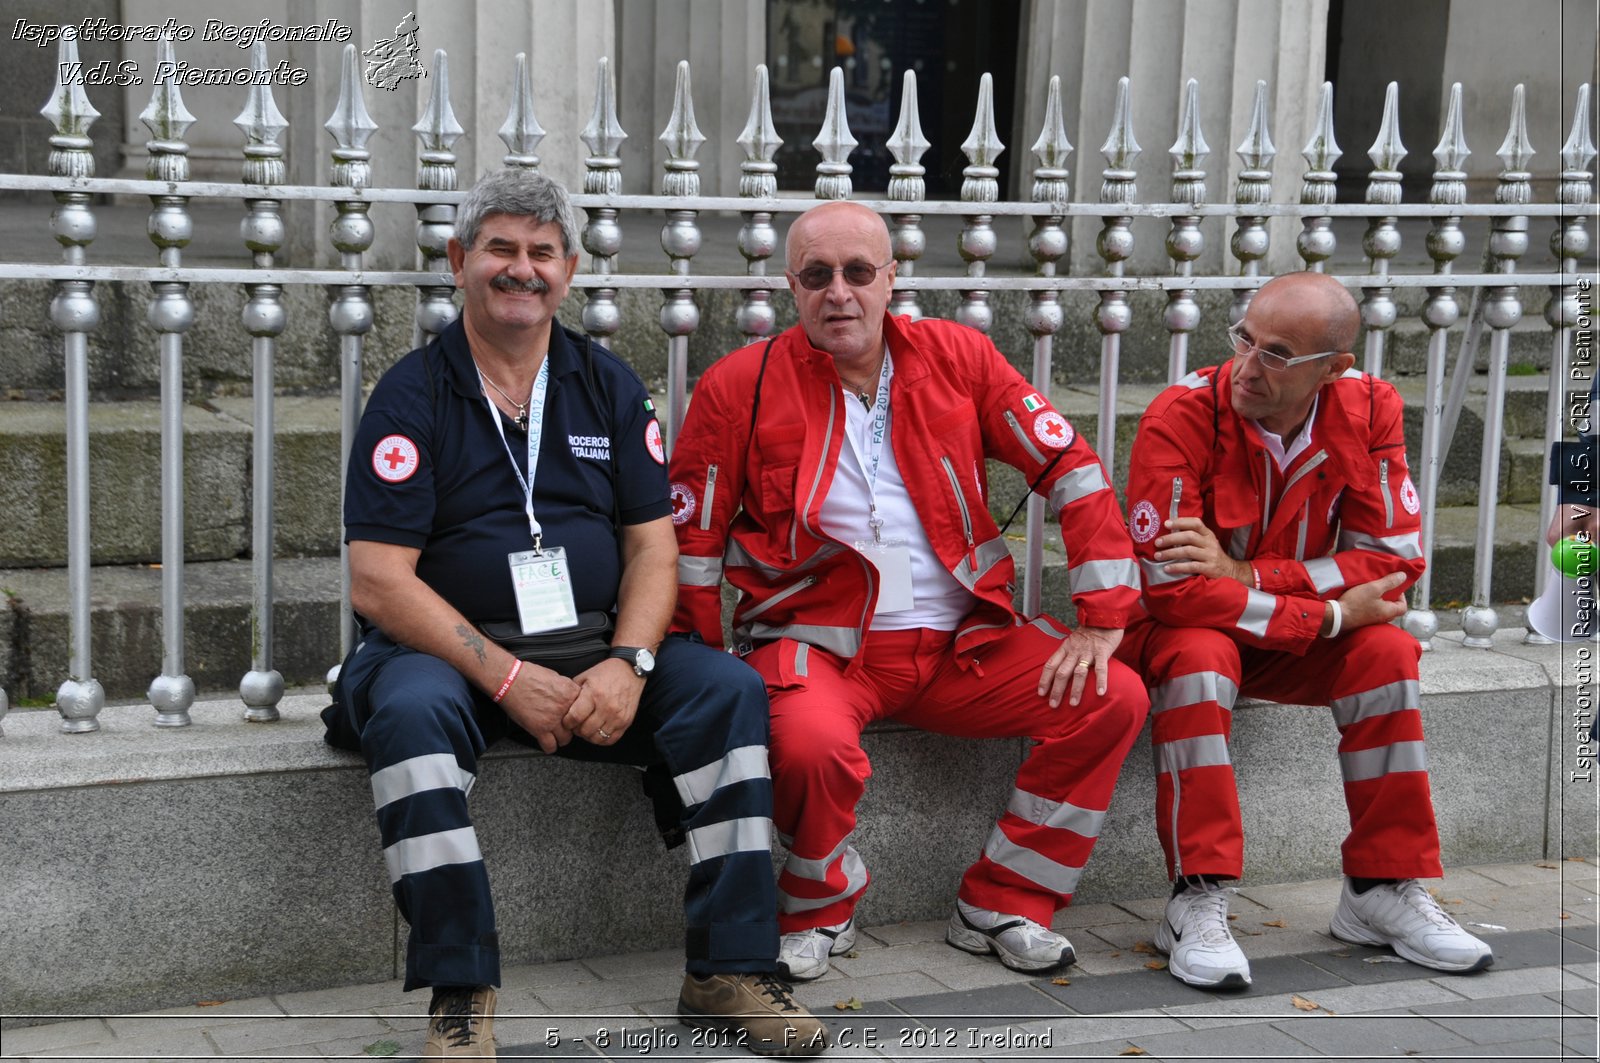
(1274, 443)
(941, 602)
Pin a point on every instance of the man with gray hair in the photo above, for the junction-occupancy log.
(513, 565)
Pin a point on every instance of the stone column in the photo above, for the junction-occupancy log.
(1226, 45)
(723, 40)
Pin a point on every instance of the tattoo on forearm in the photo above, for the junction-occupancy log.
(473, 641)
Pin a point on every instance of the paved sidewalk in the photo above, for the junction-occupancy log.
(904, 994)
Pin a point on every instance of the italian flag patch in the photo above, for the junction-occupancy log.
(1032, 402)
(649, 407)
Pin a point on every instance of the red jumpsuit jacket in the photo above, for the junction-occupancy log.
(749, 509)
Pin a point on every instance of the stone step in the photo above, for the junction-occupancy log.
(125, 479)
(125, 617)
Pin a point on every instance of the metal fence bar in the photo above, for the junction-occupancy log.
(76, 313)
(1382, 240)
(979, 184)
(171, 314)
(680, 239)
(1251, 241)
(906, 238)
(1115, 245)
(602, 236)
(758, 179)
(437, 131)
(1185, 243)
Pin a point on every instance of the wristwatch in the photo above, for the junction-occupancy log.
(643, 661)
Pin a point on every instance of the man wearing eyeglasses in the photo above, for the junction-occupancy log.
(835, 476)
(1277, 528)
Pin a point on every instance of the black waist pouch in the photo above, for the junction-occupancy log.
(568, 651)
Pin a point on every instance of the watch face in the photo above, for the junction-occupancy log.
(644, 662)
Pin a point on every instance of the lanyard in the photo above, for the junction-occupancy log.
(876, 437)
(535, 437)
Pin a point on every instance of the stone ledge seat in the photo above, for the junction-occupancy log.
(151, 867)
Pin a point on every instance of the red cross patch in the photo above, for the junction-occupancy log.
(1408, 496)
(683, 502)
(395, 459)
(1052, 429)
(1144, 522)
(652, 441)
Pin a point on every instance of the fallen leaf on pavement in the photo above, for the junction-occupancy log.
(1279, 923)
(1114, 955)
(208, 1003)
(383, 1048)
(1133, 1050)
(853, 1004)
(1344, 955)
(1060, 981)
(853, 954)
(1232, 917)
(1383, 959)
(1303, 1004)
(1144, 948)
(1547, 867)
(1565, 915)
(1156, 965)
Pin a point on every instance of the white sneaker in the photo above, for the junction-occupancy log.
(1021, 944)
(1405, 917)
(1200, 949)
(803, 955)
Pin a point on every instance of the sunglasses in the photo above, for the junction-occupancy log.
(1244, 346)
(856, 274)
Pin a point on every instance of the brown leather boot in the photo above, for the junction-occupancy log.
(461, 1023)
(753, 1011)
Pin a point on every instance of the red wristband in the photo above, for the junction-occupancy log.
(511, 677)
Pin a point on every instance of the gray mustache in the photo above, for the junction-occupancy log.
(533, 286)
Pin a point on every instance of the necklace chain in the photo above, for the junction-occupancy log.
(522, 407)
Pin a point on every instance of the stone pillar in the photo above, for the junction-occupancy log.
(1224, 44)
(562, 38)
(723, 40)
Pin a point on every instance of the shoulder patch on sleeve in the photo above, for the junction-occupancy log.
(683, 502)
(652, 441)
(395, 459)
(1053, 430)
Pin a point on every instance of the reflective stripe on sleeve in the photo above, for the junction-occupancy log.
(408, 856)
(699, 571)
(1407, 547)
(745, 762)
(1375, 763)
(1257, 614)
(1103, 575)
(1079, 483)
(1325, 574)
(1155, 573)
(433, 771)
(989, 554)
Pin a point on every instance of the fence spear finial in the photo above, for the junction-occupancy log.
(521, 131)
(167, 119)
(603, 135)
(1119, 151)
(1452, 151)
(1387, 151)
(682, 138)
(1578, 152)
(1322, 150)
(70, 111)
(262, 124)
(438, 131)
(1256, 151)
(760, 141)
(351, 126)
(1515, 150)
(908, 144)
(1052, 147)
(834, 143)
(982, 147)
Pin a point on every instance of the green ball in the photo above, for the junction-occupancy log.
(1573, 558)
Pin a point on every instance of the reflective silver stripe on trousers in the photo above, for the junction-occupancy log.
(1380, 701)
(1325, 574)
(1192, 689)
(1383, 760)
(1060, 815)
(1205, 751)
(1079, 483)
(699, 571)
(1258, 607)
(1058, 878)
(989, 554)
(750, 835)
(411, 855)
(1103, 575)
(855, 878)
(434, 771)
(745, 762)
(1407, 547)
(1155, 573)
(802, 657)
(842, 641)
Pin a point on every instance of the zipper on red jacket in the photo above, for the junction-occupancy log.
(1388, 499)
(822, 466)
(788, 592)
(710, 499)
(966, 516)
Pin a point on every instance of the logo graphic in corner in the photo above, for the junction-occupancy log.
(683, 502)
(1144, 522)
(394, 60)
(652, 441)
(1032, 402)
(395, 459)
(1408, 496)
(1052, 429)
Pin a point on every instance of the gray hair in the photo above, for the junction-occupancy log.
(518, 191)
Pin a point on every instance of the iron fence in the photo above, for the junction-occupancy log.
(1495, 300)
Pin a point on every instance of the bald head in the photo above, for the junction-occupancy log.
(1330, 313)
(835, 221)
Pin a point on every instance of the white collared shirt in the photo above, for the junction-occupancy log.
(1274, 442)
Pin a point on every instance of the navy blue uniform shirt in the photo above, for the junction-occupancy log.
(428, 471)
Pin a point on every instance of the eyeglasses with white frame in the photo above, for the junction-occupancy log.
(1243, 346)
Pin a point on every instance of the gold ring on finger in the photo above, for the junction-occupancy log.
(1083, 666)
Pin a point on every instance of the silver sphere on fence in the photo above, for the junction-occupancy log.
(261, 692)
(79, 704)
(171, 696)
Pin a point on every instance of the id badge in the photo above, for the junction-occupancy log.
(543, 586)
(892, 559)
